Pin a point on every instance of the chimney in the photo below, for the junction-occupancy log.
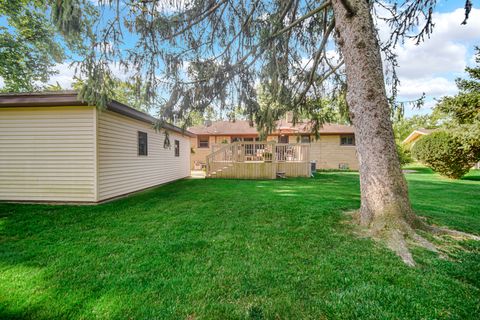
(207, 123)
(289, 117)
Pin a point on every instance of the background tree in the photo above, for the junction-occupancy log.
(455, 148)
(30, 46)
(463, 110)
(403, 126)
(204, 53)
(122, 91)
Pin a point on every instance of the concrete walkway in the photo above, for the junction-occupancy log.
(197, 174)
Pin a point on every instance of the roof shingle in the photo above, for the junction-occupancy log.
(242, 127)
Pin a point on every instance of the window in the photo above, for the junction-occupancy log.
(203, 141)
(347, 140)
(177, 148)
(305, 138)
(248, 139)
(282, 139)
(142, 143)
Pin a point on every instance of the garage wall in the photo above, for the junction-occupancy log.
(47, 154)
(121, 170)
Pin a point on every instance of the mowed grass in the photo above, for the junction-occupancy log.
(230, 249)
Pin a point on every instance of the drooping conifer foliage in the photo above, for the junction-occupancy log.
(192, 54)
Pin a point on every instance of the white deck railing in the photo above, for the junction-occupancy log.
(256, 151)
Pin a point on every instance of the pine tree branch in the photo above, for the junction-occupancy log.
(468, 8)
(197, 21)
(316, 61)
(309, 14)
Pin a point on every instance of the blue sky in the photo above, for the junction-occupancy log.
(429, 68)
(432, 66)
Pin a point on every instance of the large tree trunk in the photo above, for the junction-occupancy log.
(385, 206)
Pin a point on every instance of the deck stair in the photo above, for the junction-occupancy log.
(281, 174)
(258, 160)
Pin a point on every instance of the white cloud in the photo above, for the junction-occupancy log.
(431, 66)
(66, 73)
(426, 108)
(429, 105)
(64, 77)
(472, 60)
(445, 51)
(431, 86)
(431, 58)
(173, 6)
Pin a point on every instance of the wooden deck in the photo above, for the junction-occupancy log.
(259, 160)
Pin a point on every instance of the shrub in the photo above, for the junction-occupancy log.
(403, 155)
(443, 152)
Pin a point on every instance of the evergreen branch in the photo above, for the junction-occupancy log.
(197, 21)
(468, 8)
(303, 18)
(316, 61)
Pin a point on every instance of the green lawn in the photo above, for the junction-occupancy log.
(229, 249)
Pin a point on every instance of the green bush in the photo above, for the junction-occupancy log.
(403, 155)
(444, 153)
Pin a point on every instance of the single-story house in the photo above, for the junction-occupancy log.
(56, 148)
(335, 149)
(415, 135)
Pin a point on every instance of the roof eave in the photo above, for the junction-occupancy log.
(56, 99)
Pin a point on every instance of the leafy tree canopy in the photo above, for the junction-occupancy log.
(30, 45)
(403, 126)
(464, 108)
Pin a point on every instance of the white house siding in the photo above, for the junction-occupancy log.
(121, 170)
(47, 154)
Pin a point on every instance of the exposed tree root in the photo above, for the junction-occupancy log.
(398, 235)
(459, 235)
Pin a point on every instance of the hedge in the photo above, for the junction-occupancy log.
(444, 153)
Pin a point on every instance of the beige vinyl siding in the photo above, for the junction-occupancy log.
(327, 151)
(47, 154)
(221, 139)
(121, 170)
(329, 154)
(200, 154)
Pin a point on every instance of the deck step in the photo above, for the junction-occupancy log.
(281, 174)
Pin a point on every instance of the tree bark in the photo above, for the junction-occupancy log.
(384, 195)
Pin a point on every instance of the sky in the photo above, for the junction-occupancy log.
(432, 66)
(429, 68)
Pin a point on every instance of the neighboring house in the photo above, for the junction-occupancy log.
(334, 150)
(415, 135)
(56, 148)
